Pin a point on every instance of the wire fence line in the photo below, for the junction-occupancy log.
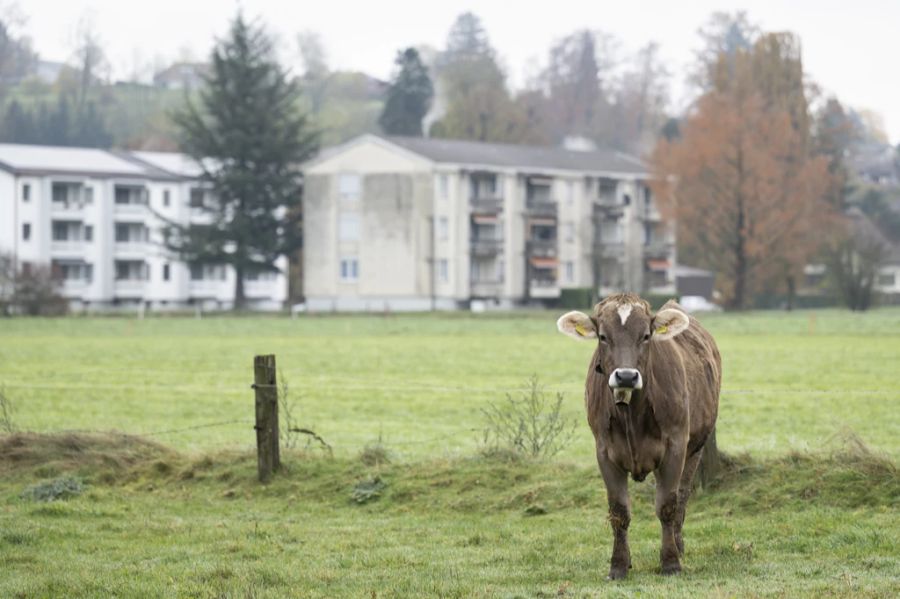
(343, 386)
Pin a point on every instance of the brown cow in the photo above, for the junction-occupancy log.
(652, 395)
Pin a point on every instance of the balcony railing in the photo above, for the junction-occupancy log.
(537, 207)
(607, 209)
(543, 288)
(542, 247)
(67, 247)
(658, 249)
(130, 208)
(130, 287)
(610, 249)
(67, 207)
(486, 247)
(486, 205)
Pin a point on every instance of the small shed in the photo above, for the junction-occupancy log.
(694, 281)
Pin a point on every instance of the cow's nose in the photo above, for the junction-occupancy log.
(626, 377)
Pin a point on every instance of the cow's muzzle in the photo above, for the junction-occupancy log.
(623, 382)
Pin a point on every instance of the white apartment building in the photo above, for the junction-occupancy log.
(394, 223)
(96, 217)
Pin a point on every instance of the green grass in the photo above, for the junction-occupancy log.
(420, 381)
(155, 523)
(801, 512)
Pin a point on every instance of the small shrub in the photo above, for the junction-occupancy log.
(53, 490)
(375, 453)
(368, 490)
(532, 423)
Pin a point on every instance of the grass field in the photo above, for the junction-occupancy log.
(799, 512)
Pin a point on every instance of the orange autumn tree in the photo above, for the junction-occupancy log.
(742, 182)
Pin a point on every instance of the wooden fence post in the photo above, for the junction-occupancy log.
(266, 387)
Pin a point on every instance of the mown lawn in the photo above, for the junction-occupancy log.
(803, 510)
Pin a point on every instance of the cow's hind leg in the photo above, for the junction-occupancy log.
(684, 493)
(668, 477)
(616, 481)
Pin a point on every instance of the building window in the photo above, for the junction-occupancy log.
(26, 192)
(569, 232)
(443, 231)
(73, 271)
(570, 272)
(166, 198)
(348, 227)
(886, 280)
(207, 272)
(443, 270)
(349, 186)
(26, 231)
(167, 272)
(88, 195)
(349, 270)
(626, 199)
(132, 270)
(443, 186)
(195, 200)
(89, 232)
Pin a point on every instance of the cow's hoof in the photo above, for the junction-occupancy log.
(671, 568)
(617, 573)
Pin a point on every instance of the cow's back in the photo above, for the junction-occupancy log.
(703, 374)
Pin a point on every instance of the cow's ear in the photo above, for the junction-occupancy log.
(668, 323)
(577, 325)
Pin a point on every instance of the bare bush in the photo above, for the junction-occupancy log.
(531, 424)
(291, 433)
(6, 412)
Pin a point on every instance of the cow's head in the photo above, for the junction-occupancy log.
(626, 329)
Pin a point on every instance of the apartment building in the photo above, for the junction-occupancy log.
(96, 217)
(394, 223)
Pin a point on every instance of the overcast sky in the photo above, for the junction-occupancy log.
(850, 48)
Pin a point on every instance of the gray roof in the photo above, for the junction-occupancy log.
(57, 160)
(520, 156)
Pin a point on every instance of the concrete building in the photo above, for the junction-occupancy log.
(96, 217)
(395, 223)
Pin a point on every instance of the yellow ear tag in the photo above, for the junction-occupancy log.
(661, 330)
(580, 330)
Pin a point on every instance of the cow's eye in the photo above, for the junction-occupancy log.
(646, 336)
(603, 338)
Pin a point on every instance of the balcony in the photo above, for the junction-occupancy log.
(609, 249)
(658, 249)
(67, 247)
(651, 214)
(546, 248)
(486, 205)
(486, 247)
(543, 288)
(70, 208)
(130, 288)
(486, 288)
(608, 209)
(541, 208)
(74, 287)
(136, 249)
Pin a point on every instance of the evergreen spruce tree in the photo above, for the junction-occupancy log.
(408, 98)
(250, 140)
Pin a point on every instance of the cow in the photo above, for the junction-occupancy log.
(652, 396)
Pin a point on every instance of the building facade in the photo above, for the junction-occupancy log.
(415, 224)
(96, 217)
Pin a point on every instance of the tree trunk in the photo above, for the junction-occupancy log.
(791, 292)
(710, 463)
(240, 299)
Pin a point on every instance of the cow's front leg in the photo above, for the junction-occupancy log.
(668, 477)
(616, 480)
